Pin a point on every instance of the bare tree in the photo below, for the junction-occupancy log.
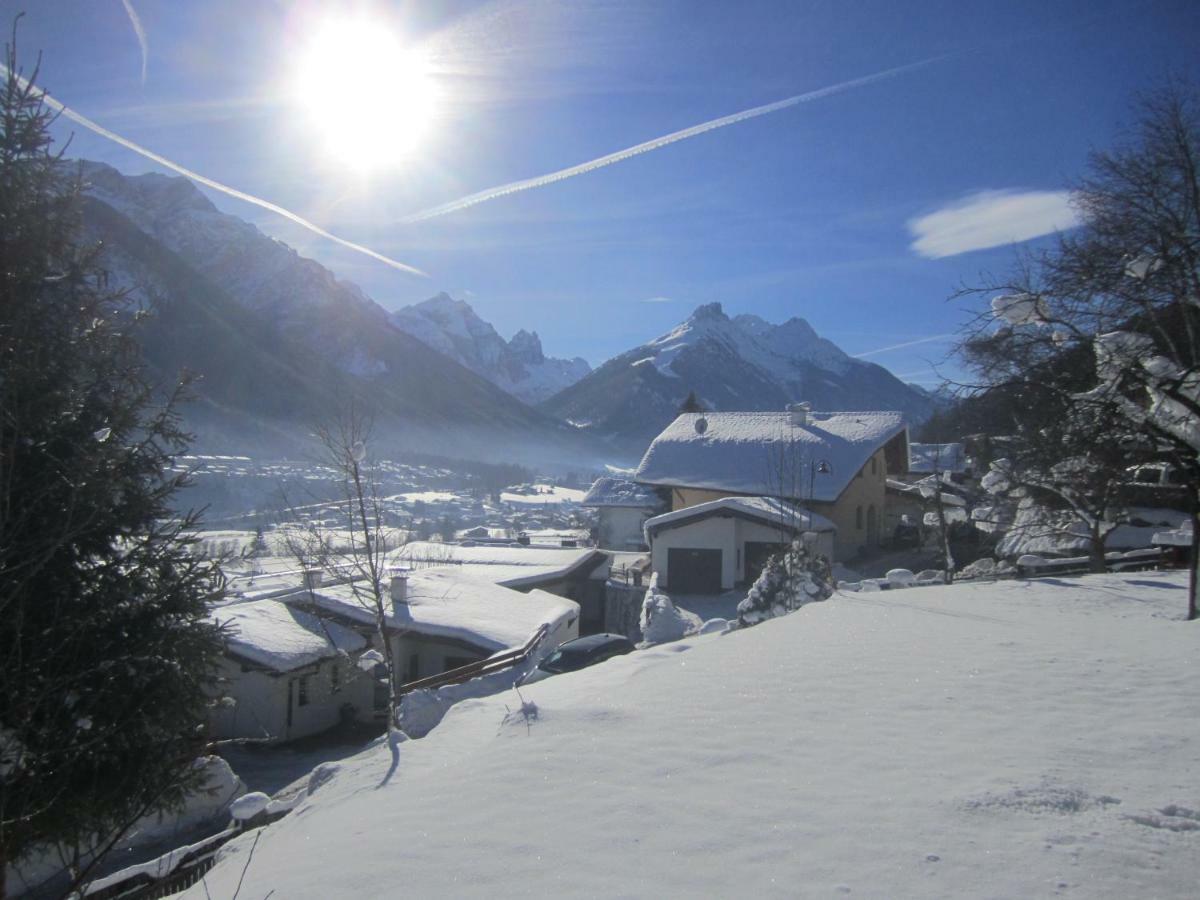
(1111, 314)
(356, 550)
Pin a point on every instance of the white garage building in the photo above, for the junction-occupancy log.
(718, 545)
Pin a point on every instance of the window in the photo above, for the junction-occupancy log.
(873, 464)
(858, 517)
(414, 667)
(302, 691)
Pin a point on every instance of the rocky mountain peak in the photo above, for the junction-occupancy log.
(518, 366)
(708, 311)
(527, 347)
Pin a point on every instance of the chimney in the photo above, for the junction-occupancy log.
(799, 414)
(399, 590)
(313, 578)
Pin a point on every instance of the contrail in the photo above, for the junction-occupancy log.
(136, 22)
(207, 182)
(924, 340)
(514, 187)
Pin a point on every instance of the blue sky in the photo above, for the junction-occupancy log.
(860, 211)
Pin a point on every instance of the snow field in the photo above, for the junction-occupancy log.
(1014, 739)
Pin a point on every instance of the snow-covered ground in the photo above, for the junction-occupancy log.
(1014, 739)
(544, 495)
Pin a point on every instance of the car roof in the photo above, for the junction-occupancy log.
(593, 641)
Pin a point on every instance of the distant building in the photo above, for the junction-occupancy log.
(623, 508)
(925, 459)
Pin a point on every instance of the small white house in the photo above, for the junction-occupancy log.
(286, 674)
(718, 545)
(623, 508)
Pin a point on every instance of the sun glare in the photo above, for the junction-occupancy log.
(369, 97)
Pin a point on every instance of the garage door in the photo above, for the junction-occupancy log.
(691, 571)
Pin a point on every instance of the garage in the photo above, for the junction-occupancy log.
(692, 570)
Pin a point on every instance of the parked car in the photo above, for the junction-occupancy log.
(579, 654)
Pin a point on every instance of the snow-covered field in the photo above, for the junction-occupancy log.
(546, 495)
(1016, 739)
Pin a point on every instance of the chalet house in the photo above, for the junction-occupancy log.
(832, 464)
(623, 508)
(286, 673)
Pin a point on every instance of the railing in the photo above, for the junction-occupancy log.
(487, 666)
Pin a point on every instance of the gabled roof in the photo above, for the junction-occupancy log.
(620, 492)
(274, 635)
(753, 452)
(936, 457)
(767, 510)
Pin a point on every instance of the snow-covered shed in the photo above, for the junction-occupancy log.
(717, 545)
(439, 619)
(286, 673)
(834, 463)
(623, 507)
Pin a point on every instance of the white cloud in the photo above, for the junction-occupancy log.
(991, 219)
(658, 300)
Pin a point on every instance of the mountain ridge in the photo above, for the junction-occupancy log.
(739, 363)
(280, 342)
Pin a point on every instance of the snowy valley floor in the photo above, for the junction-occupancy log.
(1018, 739)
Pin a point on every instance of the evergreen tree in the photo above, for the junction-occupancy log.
(105, 654)
(691, 404)
(789, 580)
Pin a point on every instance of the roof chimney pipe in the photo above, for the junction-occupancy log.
(399, 590)
(799, 414)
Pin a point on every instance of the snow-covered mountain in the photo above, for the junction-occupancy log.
(280, 343)
(518, 366)
(740, 363)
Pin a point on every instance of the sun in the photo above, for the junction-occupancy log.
(369, 98)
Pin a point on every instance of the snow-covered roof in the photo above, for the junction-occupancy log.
(764, 509)
(937, 457)
(509, 564)
(621, 492)
(272, 634)
(741, 452)
(450, 603)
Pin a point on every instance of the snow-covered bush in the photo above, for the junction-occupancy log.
(985, 567)
(661, 620)
(788, 581)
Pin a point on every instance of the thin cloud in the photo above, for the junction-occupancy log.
(514, 187)
(208, 182)
(925, 340)
(991, 219)
(138, 30)
(657, 300)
